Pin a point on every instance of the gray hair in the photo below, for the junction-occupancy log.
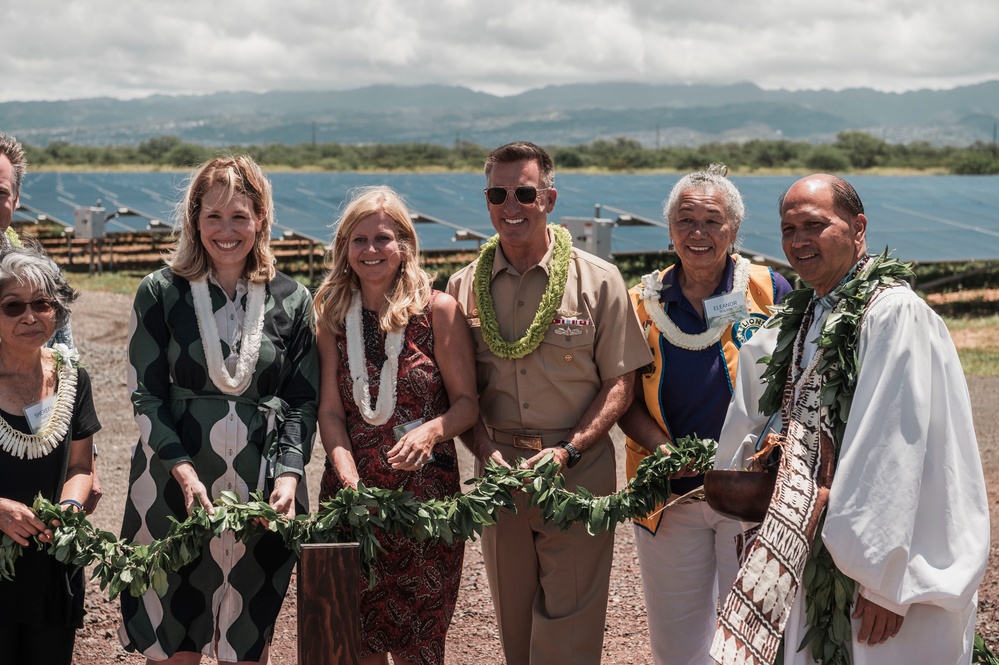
(29, 265)
(714, 178)
(14, 151)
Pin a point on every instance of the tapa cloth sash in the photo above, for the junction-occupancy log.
(755, 614)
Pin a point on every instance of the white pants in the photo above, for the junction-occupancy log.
(683, 566)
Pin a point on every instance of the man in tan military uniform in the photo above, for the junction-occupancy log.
(557, 392)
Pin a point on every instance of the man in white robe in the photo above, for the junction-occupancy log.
(907, 515)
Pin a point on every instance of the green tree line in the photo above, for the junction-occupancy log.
(851, 151)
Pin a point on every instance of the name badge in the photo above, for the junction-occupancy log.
(39, 412)
(725, 309)
(399, 430)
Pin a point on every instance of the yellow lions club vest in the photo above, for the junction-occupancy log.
(759, 298)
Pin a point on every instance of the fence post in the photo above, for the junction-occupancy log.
(329, 583)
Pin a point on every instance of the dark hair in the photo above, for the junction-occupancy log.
(521, 150)
(845, 197)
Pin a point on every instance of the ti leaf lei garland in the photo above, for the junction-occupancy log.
(357, 515)
(828, 592)
(550, 300)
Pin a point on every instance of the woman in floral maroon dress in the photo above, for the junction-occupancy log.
(390, 407)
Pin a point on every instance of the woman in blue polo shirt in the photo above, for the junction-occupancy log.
(696, 315)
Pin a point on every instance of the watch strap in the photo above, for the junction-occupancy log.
(574, 454)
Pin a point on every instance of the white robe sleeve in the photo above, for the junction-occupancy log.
(908, 515)
(744, 422)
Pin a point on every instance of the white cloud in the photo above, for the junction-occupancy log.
(87, 48)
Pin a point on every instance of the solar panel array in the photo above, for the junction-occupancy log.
(922, 218)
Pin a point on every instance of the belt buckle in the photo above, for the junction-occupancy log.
(527, 442)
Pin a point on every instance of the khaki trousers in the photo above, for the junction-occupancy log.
(550, 587)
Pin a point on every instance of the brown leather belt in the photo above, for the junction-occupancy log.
(527, 441)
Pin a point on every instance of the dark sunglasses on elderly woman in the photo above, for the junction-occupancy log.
(13, 308)
(525, 195)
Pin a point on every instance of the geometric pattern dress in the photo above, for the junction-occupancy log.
(237, 443)
(409, 609)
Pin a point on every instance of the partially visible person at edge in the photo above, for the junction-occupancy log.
(41, 452)
(903, 500)
(13, 166)
(224, 379)
(556, 352)
(696, 314)
(398, 384)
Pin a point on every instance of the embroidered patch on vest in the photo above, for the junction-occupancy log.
(743, 330)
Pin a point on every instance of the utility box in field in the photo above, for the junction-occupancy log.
(591, 234)
(89, 223)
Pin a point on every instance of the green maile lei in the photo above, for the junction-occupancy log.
(12, 238)
(550, 300)
(828, 592)
(357, 515)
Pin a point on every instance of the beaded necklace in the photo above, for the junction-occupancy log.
(53, 431)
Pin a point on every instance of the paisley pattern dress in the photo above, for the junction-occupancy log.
(409, 609)
(236, 443)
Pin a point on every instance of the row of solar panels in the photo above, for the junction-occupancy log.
(923, 218)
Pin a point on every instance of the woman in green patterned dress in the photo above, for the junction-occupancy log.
(224, 385)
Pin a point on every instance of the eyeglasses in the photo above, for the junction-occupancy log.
(15, 308)
(525, 195)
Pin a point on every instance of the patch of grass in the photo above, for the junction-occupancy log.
(121, 281)
(980, 362)
(963, 323)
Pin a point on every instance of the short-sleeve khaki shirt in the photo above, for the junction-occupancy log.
(595, 336)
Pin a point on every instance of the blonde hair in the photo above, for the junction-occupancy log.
(239, 175)
(410, 292)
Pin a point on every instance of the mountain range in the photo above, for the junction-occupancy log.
(654, 115)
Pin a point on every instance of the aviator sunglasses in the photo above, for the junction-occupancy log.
(15, 308)
(525, 195)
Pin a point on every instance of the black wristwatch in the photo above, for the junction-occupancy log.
(574, 454)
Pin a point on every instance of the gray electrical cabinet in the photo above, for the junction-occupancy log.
(89, 223)
(591, 234)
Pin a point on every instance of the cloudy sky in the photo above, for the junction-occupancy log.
(61, 49)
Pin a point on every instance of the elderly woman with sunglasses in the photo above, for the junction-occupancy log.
(224, 381)
(696, 314)
(47, 424)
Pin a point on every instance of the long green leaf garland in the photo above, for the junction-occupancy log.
(550, 300)
(357, 516)
(828, 592)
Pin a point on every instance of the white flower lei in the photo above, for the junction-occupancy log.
(52, 433)
(358, 366)
(246, 357)
(651, 286)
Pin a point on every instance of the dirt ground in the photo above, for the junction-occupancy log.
(100, 325)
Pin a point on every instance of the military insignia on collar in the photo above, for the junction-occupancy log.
(743, 331)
